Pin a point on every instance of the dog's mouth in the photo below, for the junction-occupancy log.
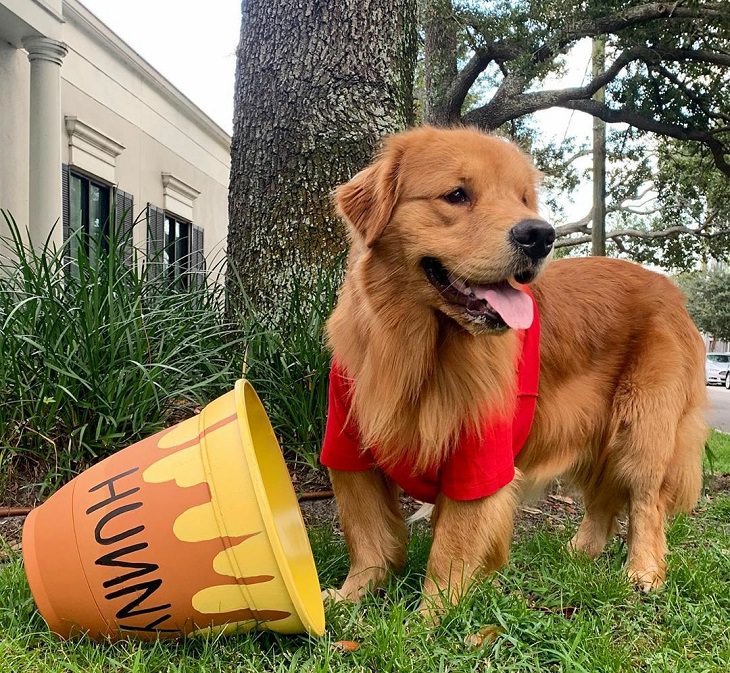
(495, 305)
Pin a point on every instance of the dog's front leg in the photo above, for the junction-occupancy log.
(470, 539)
(376, 535)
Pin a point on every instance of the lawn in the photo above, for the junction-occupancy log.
(553, 612)
(718, 459)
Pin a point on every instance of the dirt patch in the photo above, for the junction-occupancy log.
(11, 530)
(556, 510)
(720, 483)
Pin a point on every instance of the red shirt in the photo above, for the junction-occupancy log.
(477, 467)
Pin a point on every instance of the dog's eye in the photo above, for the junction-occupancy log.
(456, 196)
(525, 201)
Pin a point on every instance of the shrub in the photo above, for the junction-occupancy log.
(288, 364)
(94, 357)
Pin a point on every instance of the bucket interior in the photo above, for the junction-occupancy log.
(289, 535)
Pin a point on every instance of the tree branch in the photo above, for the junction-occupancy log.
(507, 50)
(699, 55)
(508, 103)
(450, 108)
(628, 18)
(574, 227)
(699, 103)
(633, 118)
(644, 235)
(581, 225)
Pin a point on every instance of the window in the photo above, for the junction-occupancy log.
(89, 208)
(717, 357)
(175, 249)
(176, 257)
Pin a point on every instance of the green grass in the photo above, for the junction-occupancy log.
(556, 612)
(718, 454)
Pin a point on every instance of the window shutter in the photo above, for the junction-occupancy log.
(125, 224)
(197, 255)
(65, 203)
(155, 242)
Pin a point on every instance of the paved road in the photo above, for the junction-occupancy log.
(718, 415)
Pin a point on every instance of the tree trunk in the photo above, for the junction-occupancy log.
(598, 226)
(318, 83)
(439, 56)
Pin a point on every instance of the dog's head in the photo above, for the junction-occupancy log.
(453, 213)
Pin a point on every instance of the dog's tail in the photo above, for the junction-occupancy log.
(683, 482)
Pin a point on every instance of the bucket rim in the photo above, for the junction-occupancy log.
(313, 622)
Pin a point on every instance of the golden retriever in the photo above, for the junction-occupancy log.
(620, 406)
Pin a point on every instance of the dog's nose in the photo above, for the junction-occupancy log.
(534, 237)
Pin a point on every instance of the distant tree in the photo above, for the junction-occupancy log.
(318, 83)
(669, 206)
(708, 301)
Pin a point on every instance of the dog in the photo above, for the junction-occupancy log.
(450, 324)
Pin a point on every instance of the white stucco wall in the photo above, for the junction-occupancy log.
(105, 85)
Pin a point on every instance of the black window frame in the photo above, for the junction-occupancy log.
(156, 269)
(87, 182)
(177, 264)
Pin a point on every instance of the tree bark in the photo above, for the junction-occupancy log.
(318, 83)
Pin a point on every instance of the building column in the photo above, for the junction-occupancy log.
(45, 211)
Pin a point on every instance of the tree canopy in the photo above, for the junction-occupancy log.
(708, 301)
(666, 79)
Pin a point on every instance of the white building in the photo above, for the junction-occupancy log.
(85, 122)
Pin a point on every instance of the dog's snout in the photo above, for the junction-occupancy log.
(534, 237)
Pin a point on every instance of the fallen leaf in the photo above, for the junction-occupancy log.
(486, 635)
(562, 498)
(346, 645)
(531, 510)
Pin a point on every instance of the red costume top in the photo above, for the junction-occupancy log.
(478, 465)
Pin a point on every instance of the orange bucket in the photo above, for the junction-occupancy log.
(194, 530)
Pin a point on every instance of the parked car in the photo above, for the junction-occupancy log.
(717, 369)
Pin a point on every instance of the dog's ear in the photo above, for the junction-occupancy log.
(366, 202)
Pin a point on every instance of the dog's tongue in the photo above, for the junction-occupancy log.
(514, 306)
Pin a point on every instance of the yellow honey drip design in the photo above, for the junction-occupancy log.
(251, 562)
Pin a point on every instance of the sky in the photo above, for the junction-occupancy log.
(192, 44)
(196, 51)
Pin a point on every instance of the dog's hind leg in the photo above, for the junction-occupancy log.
(645, 422)
(374, 529)
(599, 525)
(683, 482)
(650, 506)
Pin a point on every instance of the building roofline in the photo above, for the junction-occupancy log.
(78, 15)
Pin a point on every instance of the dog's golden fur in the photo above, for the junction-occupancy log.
(620, 406)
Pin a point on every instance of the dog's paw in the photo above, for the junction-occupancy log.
(580, 547)
(334, 596)
(646, 579)
(431, 612)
